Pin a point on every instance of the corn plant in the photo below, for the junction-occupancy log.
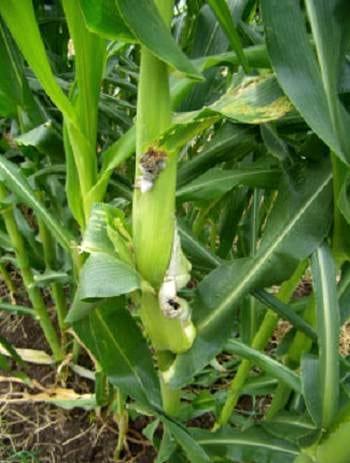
(186, 164)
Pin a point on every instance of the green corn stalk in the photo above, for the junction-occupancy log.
(259, 342)
(28, 278)
(56, 288)
(154, 210)
(300, 344)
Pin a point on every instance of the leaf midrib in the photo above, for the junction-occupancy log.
(248, 443)
(126, 359)
(261, 261)
(230, 176)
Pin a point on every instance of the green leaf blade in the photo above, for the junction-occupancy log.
(105, 276)
(143, 18)
(328, 327)
(297, 68)
(21, 21)
(19, 185)
(284, 244)
(190, 446)
(102, 17)
(112, 336)
(254, 444)
(271, 366)
(223, 14)
(216, 182)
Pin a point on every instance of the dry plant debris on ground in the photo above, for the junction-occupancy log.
(35, 431)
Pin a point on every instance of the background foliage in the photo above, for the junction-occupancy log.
(252, 120)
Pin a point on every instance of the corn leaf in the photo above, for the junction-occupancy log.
(11, 80)
(330, 22)
(256, 55)
(303, 458)
(199, 254)
(310, 373)
(254, 444)
(286, 312)
(142, 18)
(90, 55)
(72, 181)
(18, 184)
(274, 144)
(271, 366)
(166, 447)
(114, 339)
(95, 237)
(5, 242)
(328, 328)
(104, 276)
(45, 138)
(80, 309)
(20, 19)
(289, 425)
(335, 448)
(204, 258)
(310, 84)
(297, 225)
(11, 351)
(17, 309)
(224, 17)
(114, 155)
(16, 99)
(103, 18)
(190, 446)
(230, 142)
(216, 182)
(255, 101)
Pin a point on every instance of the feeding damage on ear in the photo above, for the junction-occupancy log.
(151, 164)
(176, 278)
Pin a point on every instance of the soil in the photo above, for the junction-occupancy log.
(33, 432)
(49, 433)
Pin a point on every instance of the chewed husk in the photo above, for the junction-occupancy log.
(177, 276)
(144, 184)
(166, 334)
(173, 306)
(151, 164)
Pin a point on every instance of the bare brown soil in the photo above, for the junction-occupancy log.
(32, 432)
